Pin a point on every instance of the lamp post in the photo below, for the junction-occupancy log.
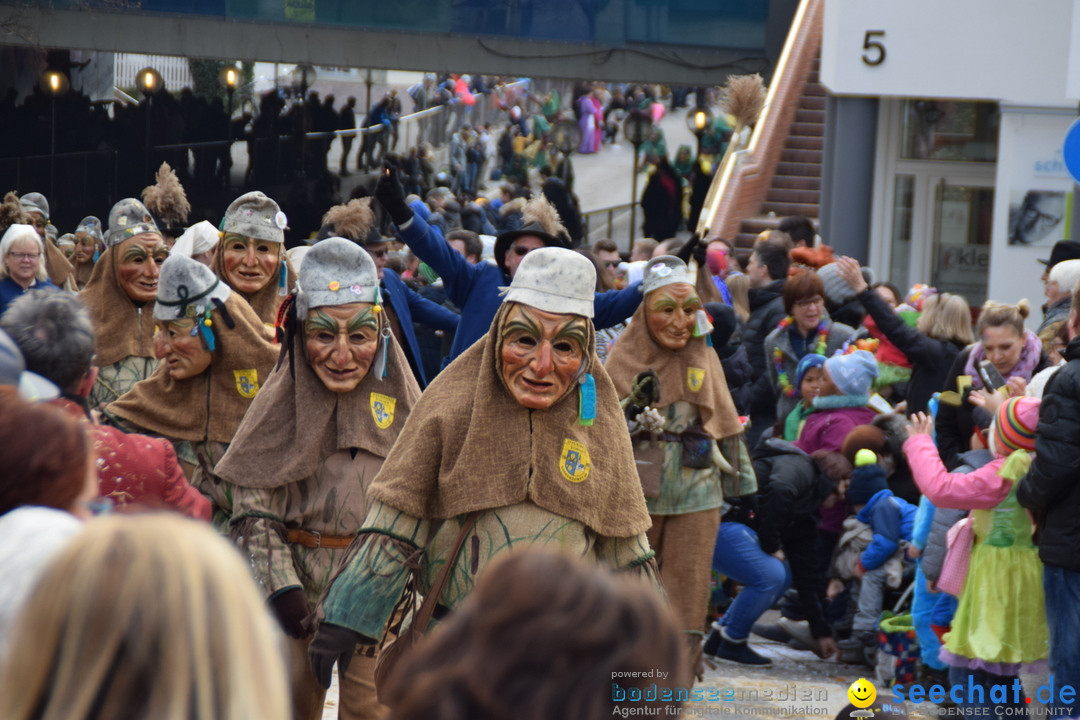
(54, 83)
(230, 78)
(149, 81)
(567, 136)
(636, 128)
(697, 120)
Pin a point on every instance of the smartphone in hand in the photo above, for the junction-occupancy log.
(990, 376)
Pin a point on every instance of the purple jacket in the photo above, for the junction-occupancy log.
(826, 428)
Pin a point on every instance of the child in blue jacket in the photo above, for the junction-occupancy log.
(892, 520)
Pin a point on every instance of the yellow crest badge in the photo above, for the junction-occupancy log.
(574, 463)
(382, 409)
(247, 382)
(695, 377)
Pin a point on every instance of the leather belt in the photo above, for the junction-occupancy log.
(318, 540)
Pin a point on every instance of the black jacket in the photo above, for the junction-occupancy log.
(790, 491)
(1051, 487)
(954, 425)
(766, 312)
(732, 354)
(930, 359)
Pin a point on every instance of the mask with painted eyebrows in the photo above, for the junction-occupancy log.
(541, 354)
(670, 312)
(341, 342)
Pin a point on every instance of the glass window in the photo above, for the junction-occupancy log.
(953, 131)
(903, 205)
(962, 222)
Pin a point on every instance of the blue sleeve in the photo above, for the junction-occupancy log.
(614, 306)
(924, 519)
(428, 245)
(429, 313)
(885, 521)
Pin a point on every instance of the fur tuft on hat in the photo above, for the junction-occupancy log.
(167, 200)
(540, 218)
(355, 220)
(12, 213)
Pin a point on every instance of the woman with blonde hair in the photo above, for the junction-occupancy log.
(739, 287)
(943, 330)
(1012, 351)
(150, 616)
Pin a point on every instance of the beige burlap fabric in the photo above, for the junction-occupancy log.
(693, 374)
(211, 405)
(295, 422)
(469, 445)
(120, 329)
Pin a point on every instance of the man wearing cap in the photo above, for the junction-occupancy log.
(520, 442)
(251, 256)
(305, 455)
(59, 269)
(124, 281)
(475, 288)
(54, 333)
(355, 221)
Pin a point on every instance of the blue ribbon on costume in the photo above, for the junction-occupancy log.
(587, 404)
(282, 276)
(384, 352)
(204, 328)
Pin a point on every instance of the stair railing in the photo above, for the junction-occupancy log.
(742, 182)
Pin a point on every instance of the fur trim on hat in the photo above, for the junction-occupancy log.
(352, 221)
(539, 210)
(515, 205)
(166, 198)
(816, 257)
(12, 213)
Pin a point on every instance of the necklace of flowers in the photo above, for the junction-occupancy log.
(786, 388)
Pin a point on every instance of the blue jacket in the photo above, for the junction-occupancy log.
(411, 307)
(475, 288)
(10, 291)
(892, 520)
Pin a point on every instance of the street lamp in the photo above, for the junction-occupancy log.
(566, 137)
(149, 81)
(636, 128)
(54, 83)
(230, 78)
(697, 120)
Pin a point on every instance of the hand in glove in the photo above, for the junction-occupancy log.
(291, 607)
(331, 644)
(391, 195)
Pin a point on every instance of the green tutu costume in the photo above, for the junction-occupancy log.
(1000, 623)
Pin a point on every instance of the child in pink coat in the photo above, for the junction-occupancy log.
(1000, 622)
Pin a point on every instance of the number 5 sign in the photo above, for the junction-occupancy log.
(962, 49)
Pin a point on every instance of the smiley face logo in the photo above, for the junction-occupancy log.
(862, 693)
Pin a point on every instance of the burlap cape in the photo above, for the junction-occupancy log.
(120, 330)
(58, 267)
(264, 302)
(296, 423)
(679, 371)
(210, 405)
(83, 271)
(469, 445)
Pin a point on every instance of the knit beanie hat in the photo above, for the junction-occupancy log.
(129, 218)
(854, 373)
(867, 479)
(808, 362)
(92, 227)
(187, 289)
(35, 202)
(664, 270)
(1014, 425)
(554, 280)
(254, 215)
(336, 271)
(837, 291)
